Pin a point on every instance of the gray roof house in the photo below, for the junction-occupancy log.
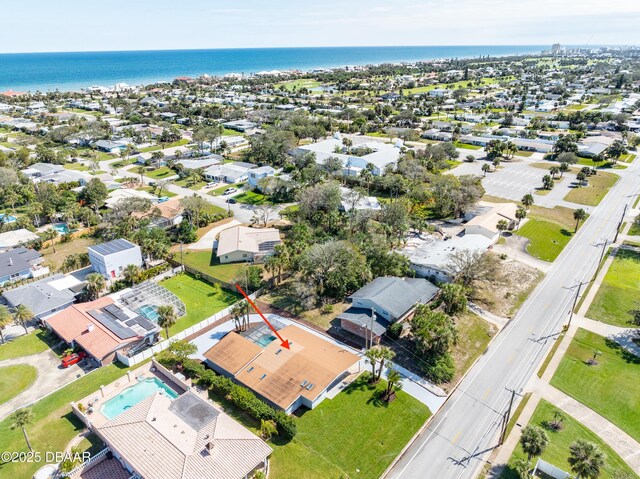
(46, 296)
(389, 299)
(20, 263)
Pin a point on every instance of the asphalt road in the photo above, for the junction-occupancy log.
(462, 434)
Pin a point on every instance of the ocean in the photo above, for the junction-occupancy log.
(30, 72)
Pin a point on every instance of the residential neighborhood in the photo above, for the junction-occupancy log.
(400, 270)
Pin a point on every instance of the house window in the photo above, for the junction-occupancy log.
(244, 255)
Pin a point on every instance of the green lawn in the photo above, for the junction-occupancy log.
(353, 431)
(160, 173)
(201, 299)
(76, 166)
(611, 388)
(466, 146)
(33, 343)
(195, 186)
(557, 450)
(547, 238)
(15, 379)
(207, 262)
(635, 229)
(601, 165)
(55, 424)
(220, 190)
(597, 189)
(619, 293)
(252, 198)
(152, 190)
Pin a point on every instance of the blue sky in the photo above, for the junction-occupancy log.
(79, 25)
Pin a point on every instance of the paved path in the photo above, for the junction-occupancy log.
(206, 242)
(516, 248)
(50, 377)
(488, 316)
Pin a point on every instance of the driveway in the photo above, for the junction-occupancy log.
(50, 376)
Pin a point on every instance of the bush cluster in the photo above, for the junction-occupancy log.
(240, 396)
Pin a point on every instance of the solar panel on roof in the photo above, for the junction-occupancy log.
(268, 245)
(112, 325)
(145, 323)
(116, 312)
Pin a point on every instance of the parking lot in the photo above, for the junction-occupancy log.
(513, 180)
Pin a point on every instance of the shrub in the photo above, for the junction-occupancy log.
(395, 330)
(327, 308)
(440, 369)
(287, 426)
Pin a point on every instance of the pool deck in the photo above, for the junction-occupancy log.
(105, 393)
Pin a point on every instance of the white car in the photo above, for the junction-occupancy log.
(228, 191)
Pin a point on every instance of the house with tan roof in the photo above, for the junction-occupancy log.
(302, 375)
(183, 438)
(484, 219)
(164, 215)
(244, 244)
(103, 329)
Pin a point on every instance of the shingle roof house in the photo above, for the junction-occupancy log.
(184, 438)
(20, 263)
(389, 299)
(46, 296)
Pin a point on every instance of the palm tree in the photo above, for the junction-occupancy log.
(50, 235)
(132, 273)
(563, 168)
(554, 170)
(23, 315)
(521, 214)
(394, 383)
(486, 168)
(5, 320)
(533, 441)
(237, 313)
(527, 200)
(95, 284)
(386, 354)
(586, 459)
(166, 317)
(373, 355)
(502, 226)
(20, 419)
(579, 215)
(366, 175)
(140, 170)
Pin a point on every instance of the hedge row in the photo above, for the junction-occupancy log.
(240, 396)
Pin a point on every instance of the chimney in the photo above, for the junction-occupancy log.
(10, 261)
(90, 327)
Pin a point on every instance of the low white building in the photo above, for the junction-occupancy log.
(257, 174)
(111, 258)
(430, 257)
(244, 244)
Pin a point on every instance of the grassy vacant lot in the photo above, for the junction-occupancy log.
(195, 186)
(207, 262)
(620, 291)
(76, 166)
(549, 230)
(466, 146)
(160, 173)
(152, 190)
(299, 84)
(474, 334)
(592, 194)
(351, 435)
(201, 299)
(557, 451)
(55, 424)
(15, 379)
(600, 165)
(32, 343)
(611, 388)
(76, 245)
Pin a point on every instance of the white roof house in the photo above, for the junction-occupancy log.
(242, 243)
(381, 155)
(14, 238)
(431, 256)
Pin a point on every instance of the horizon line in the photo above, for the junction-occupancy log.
(313, 47)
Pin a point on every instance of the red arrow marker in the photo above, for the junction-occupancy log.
(283, 342)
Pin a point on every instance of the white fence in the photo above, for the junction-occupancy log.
(550, 470)
(147, 353)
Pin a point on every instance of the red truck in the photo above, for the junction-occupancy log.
(73, 359)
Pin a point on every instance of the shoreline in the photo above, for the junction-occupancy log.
(279, 64)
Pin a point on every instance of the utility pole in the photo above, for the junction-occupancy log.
(507, 415)
(575, 300)
(624, 213)
(604, 247)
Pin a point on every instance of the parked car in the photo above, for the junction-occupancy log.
(153, 183)
(211, 184)
(73, 358)
(233, 201)
(228, 191)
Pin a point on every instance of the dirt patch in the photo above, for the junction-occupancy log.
(504, 296)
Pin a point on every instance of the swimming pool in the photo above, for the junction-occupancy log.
(265, 340)
(149, 312)
(61, 228)
(7, 218)
(135, 394)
